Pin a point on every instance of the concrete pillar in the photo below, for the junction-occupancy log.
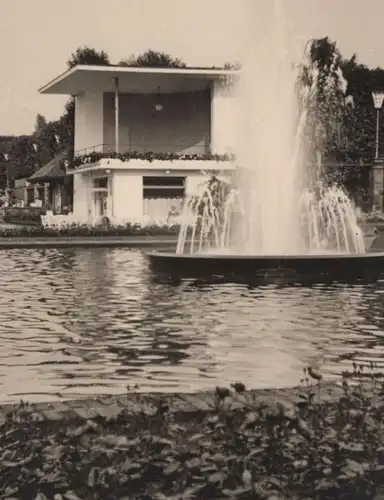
(81, 202)
(378, 186)
(89, 122)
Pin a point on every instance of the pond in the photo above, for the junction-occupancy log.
(80, 322)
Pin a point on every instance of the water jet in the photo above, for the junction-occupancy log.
(280, 217)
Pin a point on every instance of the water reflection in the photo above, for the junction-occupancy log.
(79, 321)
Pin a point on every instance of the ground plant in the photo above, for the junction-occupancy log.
(307, 448)
(84, 231)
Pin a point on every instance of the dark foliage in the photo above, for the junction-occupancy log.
(25, 215)
(361, 123)
(307, 449)
(88, 56)
(28, 153)
(232, 65)
(81, 231)
(153, 59)
(81, 160)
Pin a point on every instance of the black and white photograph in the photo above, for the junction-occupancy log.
(192, 250)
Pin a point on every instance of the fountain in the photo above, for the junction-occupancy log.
(277, 218)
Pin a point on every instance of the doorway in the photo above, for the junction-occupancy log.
(100, 197)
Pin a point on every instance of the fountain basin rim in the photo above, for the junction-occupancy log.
(253, 257)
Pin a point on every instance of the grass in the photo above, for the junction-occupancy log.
(306, 449)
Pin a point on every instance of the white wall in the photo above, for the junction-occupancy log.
(89, 114)
(127, 194)
(125, 189)
(192, 182)
(125, 199)
(223, 118)
(81, 194)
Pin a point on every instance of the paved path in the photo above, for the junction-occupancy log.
(134, 403)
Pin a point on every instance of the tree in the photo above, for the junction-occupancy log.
(336, 94)
(22, 158)
(344, 112)
(5, 146)
(26, 154)
(67, 126)
(152, 59)
(40, 123)
(362, 120)
(235, 65)
(323, 98)
(87, 55)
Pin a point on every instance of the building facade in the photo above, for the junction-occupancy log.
(146, 137)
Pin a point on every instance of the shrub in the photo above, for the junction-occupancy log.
(305, 449)
(23, 215)
(82, 231)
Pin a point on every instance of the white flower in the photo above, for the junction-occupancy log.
(247, 477)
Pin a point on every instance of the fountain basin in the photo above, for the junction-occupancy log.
(261, 269)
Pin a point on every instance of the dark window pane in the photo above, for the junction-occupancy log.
(102, 182)
(163, 193)
(163, 181)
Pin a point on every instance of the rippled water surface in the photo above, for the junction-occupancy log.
(80, 322)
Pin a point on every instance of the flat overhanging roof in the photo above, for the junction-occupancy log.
(133, 80)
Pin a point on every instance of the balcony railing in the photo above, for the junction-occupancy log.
(94, 154)
(182, 148)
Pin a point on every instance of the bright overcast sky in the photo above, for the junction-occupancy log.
(38, 36)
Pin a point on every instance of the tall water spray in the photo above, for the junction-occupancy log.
(267, 141)
(279, 204)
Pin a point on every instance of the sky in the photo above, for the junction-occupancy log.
(38, 36)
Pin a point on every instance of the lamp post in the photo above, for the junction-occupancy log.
(378, 98)
(378, 170)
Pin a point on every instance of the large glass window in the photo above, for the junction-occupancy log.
(163, 187)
